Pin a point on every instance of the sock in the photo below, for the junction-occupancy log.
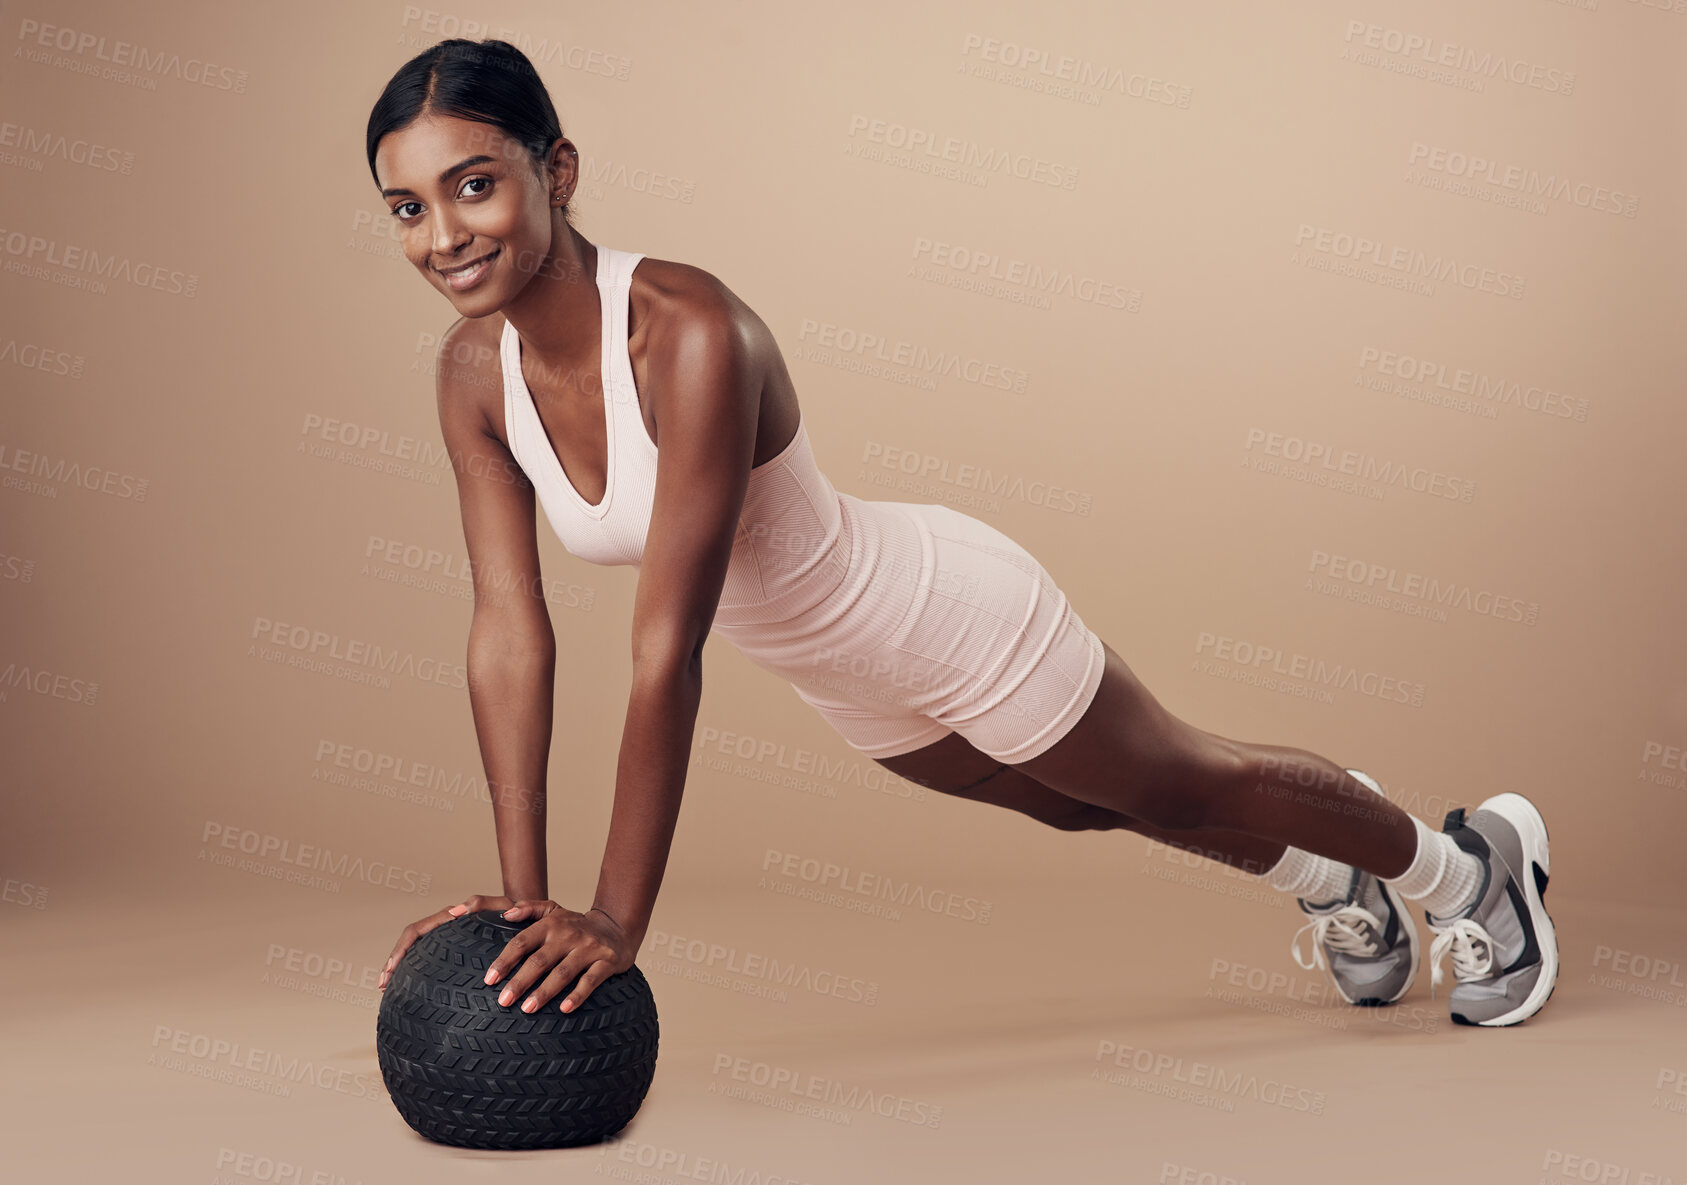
(1316, 879)
(1443, 876)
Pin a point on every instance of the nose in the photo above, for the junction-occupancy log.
(448, 236)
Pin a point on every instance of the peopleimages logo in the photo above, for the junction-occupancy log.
(962, 151)
(1470, 166)
(302, 646)
(1409, 261)
(853, 349)
(1316, 455)
(1432, 51)
(303, 859)
(873, 886)
(1205, 1076)
(714, 961)
(1376, 578)
(126, 54)
(34, 256)
(783, 1086)
(1459, 380)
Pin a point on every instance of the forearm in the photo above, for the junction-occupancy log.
(511, 689)
(649, 783)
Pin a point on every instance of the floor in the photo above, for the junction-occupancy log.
(1159, 1033)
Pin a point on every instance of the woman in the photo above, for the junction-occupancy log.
(933, 642)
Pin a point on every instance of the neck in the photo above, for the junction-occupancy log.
(557, 312)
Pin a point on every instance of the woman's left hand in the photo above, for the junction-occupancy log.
(555, 948)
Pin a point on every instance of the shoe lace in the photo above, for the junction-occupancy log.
(1340, 930)
(1471, 947)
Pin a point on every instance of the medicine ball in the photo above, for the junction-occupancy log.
(464, 1070)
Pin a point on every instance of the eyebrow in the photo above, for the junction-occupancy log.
(443, 177)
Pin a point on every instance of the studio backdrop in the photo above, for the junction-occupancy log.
(1326, 354)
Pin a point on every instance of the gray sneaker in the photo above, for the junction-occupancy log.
(1365, 942)
(1504, 948)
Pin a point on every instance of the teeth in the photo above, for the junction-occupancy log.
(466, 270)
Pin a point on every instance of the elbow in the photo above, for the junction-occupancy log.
(668, 655)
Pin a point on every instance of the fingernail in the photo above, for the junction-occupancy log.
(568, 1005)
(505, 997)
(491, 974)
(528, 1005)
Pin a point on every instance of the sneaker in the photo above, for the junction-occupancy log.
(1504, 948)
(1365, 942)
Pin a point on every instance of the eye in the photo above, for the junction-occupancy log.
(475, 181)
(397, 211)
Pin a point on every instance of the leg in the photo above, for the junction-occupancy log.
(953, 766)
(1129, 754)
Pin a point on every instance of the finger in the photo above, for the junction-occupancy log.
(398, 950)
(530, 986)
(472, 905)
(560, 977)
(406, 938)
(533, 910)
(595, 974)
(515, 950)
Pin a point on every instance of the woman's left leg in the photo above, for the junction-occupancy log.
(1129, 754)
(952, 766)
(1480, 879)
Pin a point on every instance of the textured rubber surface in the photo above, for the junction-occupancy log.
(466, 1071)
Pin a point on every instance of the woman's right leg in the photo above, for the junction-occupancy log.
(953, 766)
(1362, 971)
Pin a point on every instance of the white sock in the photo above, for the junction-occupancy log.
(1443, 877)
(1316, 879)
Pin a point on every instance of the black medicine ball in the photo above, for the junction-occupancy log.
(464, 1070)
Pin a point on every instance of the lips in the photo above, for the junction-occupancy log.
(467, 275)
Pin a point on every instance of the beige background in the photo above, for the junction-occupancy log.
(240, 443)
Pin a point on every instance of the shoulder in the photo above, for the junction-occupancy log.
(682, 304)
(469, 377)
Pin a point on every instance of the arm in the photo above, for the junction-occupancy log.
(703, 361)
(511, 649)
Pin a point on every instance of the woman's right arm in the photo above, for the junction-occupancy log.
(512, 648)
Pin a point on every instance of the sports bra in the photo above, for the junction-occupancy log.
(790, 550)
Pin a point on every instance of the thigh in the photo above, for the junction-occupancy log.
(954, 766)
(1127, 749)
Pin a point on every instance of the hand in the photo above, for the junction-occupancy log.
(563, 943)
(514, 911)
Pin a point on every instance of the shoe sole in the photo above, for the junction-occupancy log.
(1398, 905)
(1531, 829)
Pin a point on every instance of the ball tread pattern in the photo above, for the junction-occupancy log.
(464, 1070)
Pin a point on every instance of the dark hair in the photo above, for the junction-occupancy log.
(487, 81)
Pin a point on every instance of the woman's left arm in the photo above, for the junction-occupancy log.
(703, 358)
(710, 389)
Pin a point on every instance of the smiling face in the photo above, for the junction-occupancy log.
(475, 214)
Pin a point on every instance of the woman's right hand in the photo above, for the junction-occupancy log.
(514, 911)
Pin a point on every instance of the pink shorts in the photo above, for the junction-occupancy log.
(966, 633)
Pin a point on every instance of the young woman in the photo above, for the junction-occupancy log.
(649, 411)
